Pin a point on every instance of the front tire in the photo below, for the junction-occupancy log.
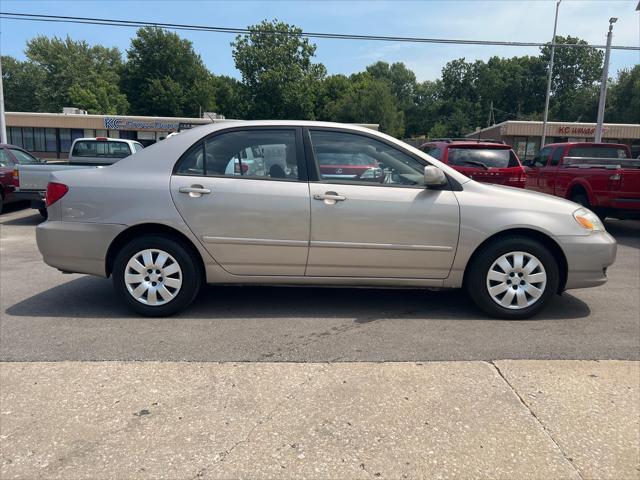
(513, 278)
(156, 275)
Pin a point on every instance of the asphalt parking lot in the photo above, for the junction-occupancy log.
(48, 316)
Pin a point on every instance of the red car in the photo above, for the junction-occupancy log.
(485, 161)
(10, 156)
(349, 166)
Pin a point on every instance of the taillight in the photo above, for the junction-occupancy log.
(519, 180)
(55, 191)
(16, 178)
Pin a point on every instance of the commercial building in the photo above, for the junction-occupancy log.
(525, 136)
(49, 135)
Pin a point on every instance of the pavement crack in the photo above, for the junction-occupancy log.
(535, 417)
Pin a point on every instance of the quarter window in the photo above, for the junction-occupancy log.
(5, 161)
(351, 158)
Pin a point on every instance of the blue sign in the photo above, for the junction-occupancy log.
(115, 123)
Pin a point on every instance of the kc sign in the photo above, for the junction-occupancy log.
(115, 123)
(579, 131)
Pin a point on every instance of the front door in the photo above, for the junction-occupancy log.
(244, 194)
(382, 223)
(536, 165)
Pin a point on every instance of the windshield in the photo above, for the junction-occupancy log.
(482, 157)
(598, 152)
(23, 157)
(96, 148)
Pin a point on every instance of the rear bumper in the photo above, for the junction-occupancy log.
(36, 198)
(76, 247)
(588, 257)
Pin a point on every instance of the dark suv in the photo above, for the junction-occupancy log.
(486, 161)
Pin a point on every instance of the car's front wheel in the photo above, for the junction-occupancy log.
(513, 277)
(156, 275)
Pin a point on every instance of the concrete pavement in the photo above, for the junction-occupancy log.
(502, 420)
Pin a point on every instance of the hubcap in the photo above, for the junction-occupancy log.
(516, 280)
(153, 277)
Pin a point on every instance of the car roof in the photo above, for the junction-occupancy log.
(470, 143)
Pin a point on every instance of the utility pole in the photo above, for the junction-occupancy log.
(549, 75)
(3, 123)
(603, 83)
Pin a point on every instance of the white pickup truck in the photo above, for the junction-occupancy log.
(31, 181)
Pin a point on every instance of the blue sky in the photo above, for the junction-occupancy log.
(524, 20)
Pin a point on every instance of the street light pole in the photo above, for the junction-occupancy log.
(3, 125)
(603, 83)
(549, 75)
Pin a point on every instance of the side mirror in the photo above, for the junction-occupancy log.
(434, 177)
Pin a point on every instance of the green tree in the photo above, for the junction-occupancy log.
(278, 74)
(76, 74)
(370, 100)
(576, 70)
(164, 76)
(23, 83)
(230, 97)
(331, 92)
(623, 97)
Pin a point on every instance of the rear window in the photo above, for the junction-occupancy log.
(482, 157)
(598, 152)
(94, 148)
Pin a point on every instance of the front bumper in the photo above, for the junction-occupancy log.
(75, 246)
(588, 257)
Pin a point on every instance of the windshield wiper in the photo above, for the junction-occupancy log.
(474, 162)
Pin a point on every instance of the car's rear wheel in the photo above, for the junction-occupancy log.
(513, 277)
(156, 275)
(583, 200)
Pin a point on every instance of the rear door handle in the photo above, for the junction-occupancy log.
(195, 190)
(329, 198)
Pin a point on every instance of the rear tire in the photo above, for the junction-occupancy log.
(505, 287)
(156, 275)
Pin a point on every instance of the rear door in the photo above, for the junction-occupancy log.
(535, 167)
(487, 164)
(548, 174)
(365, 228)
(252, 221)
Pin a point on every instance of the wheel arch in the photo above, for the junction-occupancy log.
(579, 186)
(146, 229)
(546, 240)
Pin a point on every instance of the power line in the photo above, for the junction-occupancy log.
(336, 36)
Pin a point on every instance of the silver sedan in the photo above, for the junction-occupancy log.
(330, 204)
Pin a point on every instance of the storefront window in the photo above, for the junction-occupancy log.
(27, 138)
(89, 133)
(65, 140)
(101, 133)
(50, 138)
(15, 136)
(38, 134)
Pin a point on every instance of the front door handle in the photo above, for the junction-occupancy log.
(195, 190)
(330, 198)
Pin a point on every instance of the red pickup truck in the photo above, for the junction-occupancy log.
(601, 176)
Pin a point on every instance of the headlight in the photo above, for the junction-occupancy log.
(588, 220)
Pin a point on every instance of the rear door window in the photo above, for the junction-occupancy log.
(94, 148)
(482, 157)
(598, 151)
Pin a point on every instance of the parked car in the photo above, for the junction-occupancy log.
(10, 157)
(483, 160)
(601, 176)
(30, 180)
(162, 222)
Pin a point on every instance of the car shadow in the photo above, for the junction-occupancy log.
(626, 232)
(91, 297)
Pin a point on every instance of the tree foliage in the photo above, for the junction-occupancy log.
(163, 75)
(278, 74)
